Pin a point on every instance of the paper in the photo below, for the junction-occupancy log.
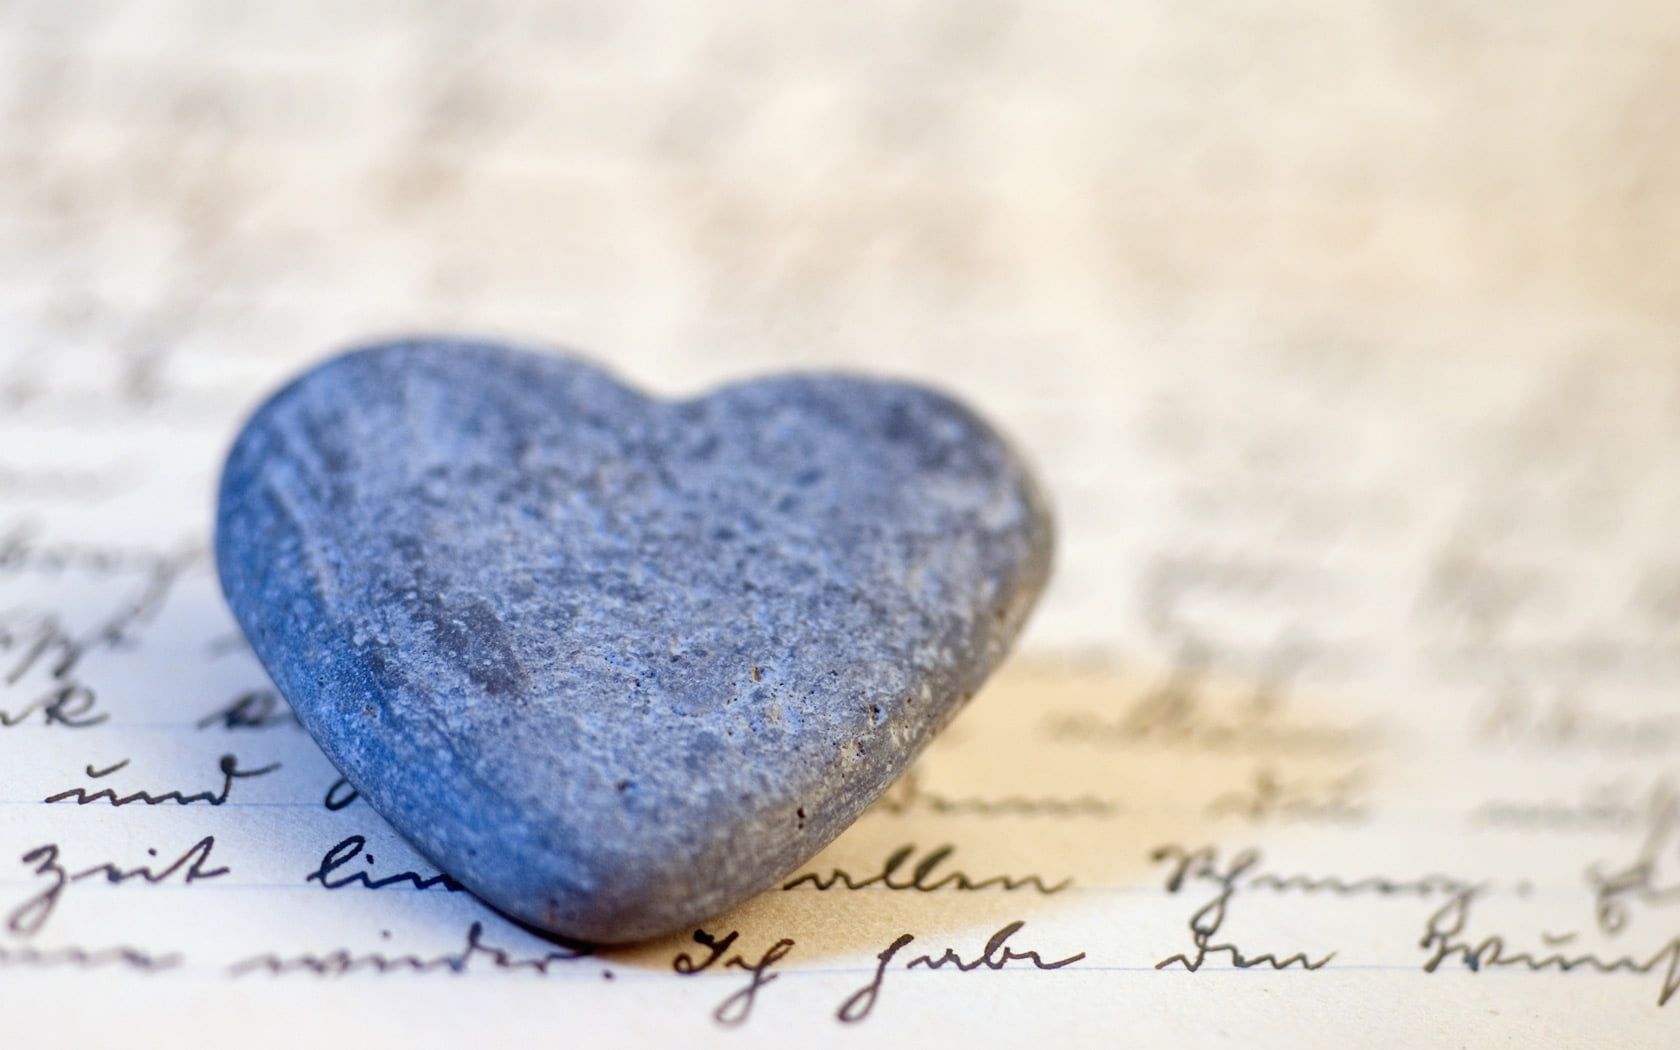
(1343, 341)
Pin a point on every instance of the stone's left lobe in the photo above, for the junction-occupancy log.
(617, 663)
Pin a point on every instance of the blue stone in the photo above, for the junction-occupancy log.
(613, 662)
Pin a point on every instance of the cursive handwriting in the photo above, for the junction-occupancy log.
(1444, 939)
(32, 642)
(352, 847)
(1644, 880)
(82, 958)
(28, 918)
(735, 1009)
(342, 961)
(1607, 807)
(1270, 797)
(908, 796)
(22, 550)
(1563, 723)
(1203, 862)
(1615, 889)
(65, 703)
(921, 877)
(1180, 714)
(1207, 920)
(228, 764)
(994, 956)
(252, 709)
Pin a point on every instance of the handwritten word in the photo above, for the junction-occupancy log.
(1609, 807)
(1444, 938)
(1563, 723)
(921, 877)
(22, 551)
(1640, 881)
(737, 1007)
(908, 796)
(69, 704)
(27, 644)
(351, 848)
(82, 958)
(1207, 920)
(1612, 892)
(252, 709)
(63, 484)
(341, 961)
(1179, 714)
(28, 917)
(1269, 797)
(228, 764)
(44, 642)
(995, 956)
(1204, 863)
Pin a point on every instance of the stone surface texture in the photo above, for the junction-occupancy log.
(617, 663)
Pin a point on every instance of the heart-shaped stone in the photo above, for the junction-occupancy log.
(617, 663)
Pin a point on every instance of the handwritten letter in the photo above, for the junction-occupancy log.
(1352, 715)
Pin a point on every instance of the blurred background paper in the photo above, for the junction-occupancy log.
(1343, 335)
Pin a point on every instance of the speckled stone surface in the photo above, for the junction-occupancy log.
(613, 662)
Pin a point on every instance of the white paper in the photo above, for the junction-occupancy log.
(1344, 342)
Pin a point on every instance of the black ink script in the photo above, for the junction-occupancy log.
(921, 877)
(342, 961)
(738, 1007)
(28, 917)
(995, 956)
(353, 848)
(1207, 919)
(228, 764)
(1444, 938)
